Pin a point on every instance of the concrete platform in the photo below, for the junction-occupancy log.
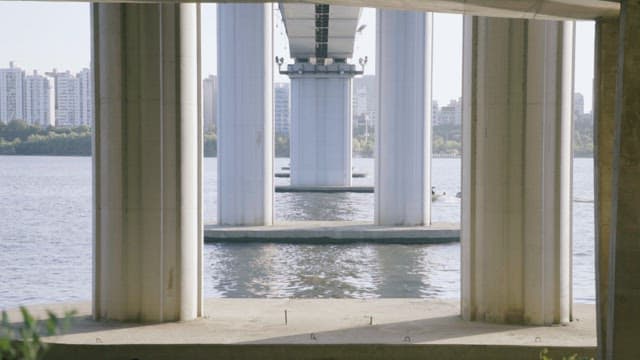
(324, 189)
(320, 232)
(287, 175)
(324, 329)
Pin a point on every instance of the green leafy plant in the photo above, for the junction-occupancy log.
(544, 355)
(24, 341)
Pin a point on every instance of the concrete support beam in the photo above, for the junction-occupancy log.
(321, 129)
(606, 61)
(516, 182)
(520, 9)
(403, 129)
(245, 114)
(623, 295)
(147, 249)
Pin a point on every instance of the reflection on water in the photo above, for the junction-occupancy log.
(45, 240)
(331, 271)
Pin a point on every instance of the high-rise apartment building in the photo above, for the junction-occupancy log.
(85, 98)
(281, 108)
(66, 100)
(38, 109)
(209, 102)
(60, 98)
(11, 94)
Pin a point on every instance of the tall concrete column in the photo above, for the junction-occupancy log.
(321, 124)
(147, 252)
(623, 318)
(516, 170)
(403, 129)
(245, 114)
(606, 61)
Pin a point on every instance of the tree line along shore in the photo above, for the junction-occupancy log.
(20, 138)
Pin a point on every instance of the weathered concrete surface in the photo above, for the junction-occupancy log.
(245, 120)
(404, 50)
(321, 131)
(146, 162)
(321, 232)
(623, 319)
(606, 60)
(325, 329)
(516, 170)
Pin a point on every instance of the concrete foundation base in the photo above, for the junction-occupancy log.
(320, 232)
(324, 329)
(324, 189)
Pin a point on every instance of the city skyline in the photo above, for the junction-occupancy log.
(50, 98)
(72, 106)
(43, 40)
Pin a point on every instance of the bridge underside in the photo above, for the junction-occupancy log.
(524, 9)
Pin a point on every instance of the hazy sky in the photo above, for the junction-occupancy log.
(42, 36)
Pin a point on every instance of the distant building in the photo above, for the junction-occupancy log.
(360, 101)
(73, 100)
(365, 99)
(578, 106)
(38, 94)
(209, 102)
(450, 114)
(66, 99)
(434, 112)
(60, 98)
(281, 108)
(85, 98)
(11, 94)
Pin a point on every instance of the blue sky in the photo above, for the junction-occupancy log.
(44, 35)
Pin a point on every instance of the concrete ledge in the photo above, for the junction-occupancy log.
(324, 189)
(315, 232)
(325, 329)
(288, 175)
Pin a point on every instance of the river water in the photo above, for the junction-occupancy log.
(45, 240)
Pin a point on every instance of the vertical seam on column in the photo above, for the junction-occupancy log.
(378, 160)
(219, 107)
(523, 159)
(96, 163)
(140, 24)
(123, 156)
(557, 178)
(200, 155)
(506, 225)
(473, 162)
(570, 218)
(177, 124)
(161, 105)
(271, 193)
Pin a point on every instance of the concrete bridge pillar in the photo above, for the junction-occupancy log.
(606, 67)
(619, 162)
(321, 124)
(146, 162)
(516, 170)
(245, 116)
(403, 129)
